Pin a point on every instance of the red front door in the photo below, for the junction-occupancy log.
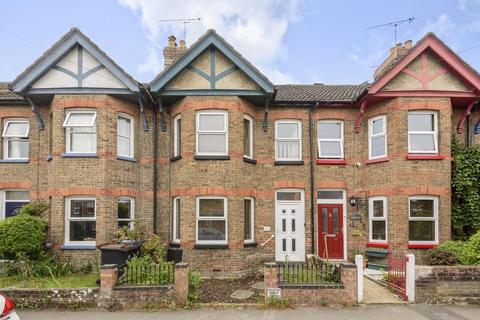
(330, 231)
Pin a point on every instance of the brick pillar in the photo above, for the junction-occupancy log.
(270, 277)
(181, 283)
(348, 273)
(108, 279)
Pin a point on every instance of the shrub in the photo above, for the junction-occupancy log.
(22, 237)
(154, 248)
(440, 257)
(194, 281)
(36, 209)
(125, 233)
(453, 246)
(470, 254)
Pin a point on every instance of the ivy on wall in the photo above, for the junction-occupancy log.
(465, 190)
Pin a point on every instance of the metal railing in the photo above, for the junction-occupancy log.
(308, 273)
(396, 278)
(147, 275)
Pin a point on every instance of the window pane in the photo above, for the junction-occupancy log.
(294, 227)
(83, 142)
(330, 194)
(421, 231)
(378, 146)
(211, 230)
(421, 208)
(212, 122)
(17, 148)
(284, 225)
(123, 127)
(284, 244)
(215, 143)
(211, 207)
(123, 223)
(18, 129)
(13, 208)
(294, 245)
(377, 126)
(335, 220)
(246, 137)
(379, 230)
(123, 146)
(287, 130)
(80, 120)
(289, 196)
(178, 141)
(177, 218)
(124, 210)
(288, 149)
(17, 195)
(329, 130)
(378, 208)
(82, 208)
(330, 149)
(324, 220)
(248, 219)
(82, 230)
(422, 142)
(420, 122)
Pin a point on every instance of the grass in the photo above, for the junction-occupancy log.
(70, 281)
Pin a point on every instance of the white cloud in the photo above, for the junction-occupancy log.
(442, 26)
(255, 28)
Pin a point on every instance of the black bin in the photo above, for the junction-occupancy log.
(119, 253)
(174, 254)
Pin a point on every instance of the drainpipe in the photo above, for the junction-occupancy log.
(469, 137)
(154, 143)
(312, 175)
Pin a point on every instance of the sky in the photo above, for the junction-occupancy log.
(290, 41)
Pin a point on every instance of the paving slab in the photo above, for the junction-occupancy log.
(374, 293)
(241, 294)
(259, 286)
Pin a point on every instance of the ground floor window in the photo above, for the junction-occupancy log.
(176, 220)
(423, 219)
(377, 213)
(249, 220)
(80, 220)
(211, 220)
(125, 212)
(12, 201)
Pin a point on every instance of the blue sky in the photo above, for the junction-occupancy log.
(290, 41)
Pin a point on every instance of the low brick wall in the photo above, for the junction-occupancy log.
(136, 297)
(447, 284)
(344, 293)
(62, 298)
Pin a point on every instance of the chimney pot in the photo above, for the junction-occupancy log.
(408, 44)
(183, 44)
(172, 41)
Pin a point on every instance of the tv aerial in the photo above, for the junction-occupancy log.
(185, 21)
(394, 24)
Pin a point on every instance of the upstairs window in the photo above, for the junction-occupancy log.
(125, 209)
(377, 212)
(288, 140)
(81, 131)
(15, 139)
(212, 133)
(177, 136)
(248, 136)
(423, 220)
(422, 132)
(377, 137)
(330, 139)
(125, 136)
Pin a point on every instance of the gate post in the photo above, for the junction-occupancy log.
(359, 264)
(410, 278)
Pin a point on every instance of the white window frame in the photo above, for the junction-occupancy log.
(177, 148)
(131, 137)
(4, 201)
(249, 153)
(252, 219)
(224, 218)
(68, 207)
(132, 211)
(299, 139)
(175, 237)
(434, 218)
(371, 218)
(434, 132)
(371, 136)
(7, 138)
(341, 156)
(68, 128)
(206, 132)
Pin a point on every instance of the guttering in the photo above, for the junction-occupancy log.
(41, 125)
(312, 174)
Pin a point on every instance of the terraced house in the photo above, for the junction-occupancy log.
(229, 168)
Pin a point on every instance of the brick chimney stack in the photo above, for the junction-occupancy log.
(396, 53)
(172, 52)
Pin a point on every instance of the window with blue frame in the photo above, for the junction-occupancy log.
(14, 201)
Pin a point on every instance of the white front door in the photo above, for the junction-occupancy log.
(289, 227)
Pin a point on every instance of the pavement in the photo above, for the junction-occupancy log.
(364, 312)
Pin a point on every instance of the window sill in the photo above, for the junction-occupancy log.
(412, 156)
(378, 160)
(249, 244)
(78, 247)
(210, 246)
(211, 157)
(14, 161)
(341, 162)
(289, 163)
(176, 158)
(421, 246)
(377, 245)
(79, 155)
(249, 160)
(126, 159)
